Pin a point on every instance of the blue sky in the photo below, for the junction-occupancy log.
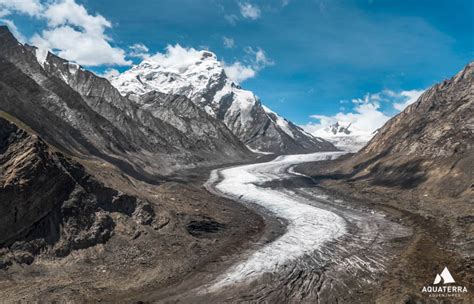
(322, 57)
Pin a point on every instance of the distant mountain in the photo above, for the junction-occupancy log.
(345, 136)
(204, 81)
(85, 116)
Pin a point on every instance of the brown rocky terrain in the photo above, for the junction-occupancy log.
(50, 203)
(419, 168)
(68, 235)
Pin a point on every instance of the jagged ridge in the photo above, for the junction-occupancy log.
(203, 80)
(86, 116)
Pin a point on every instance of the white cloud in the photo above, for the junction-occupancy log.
(71, 31)
(69, 12)
(260, 59)
(81, 47)
(139, 50)
(29, 7)
(228, 42)
(177, 57)
(409, 96)
(249, 11)
(238, 73)
(367, 116)
(232, 19)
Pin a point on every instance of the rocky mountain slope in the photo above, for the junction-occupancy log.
(69, 235)
(344, 136)
(419, 170)
(430, 144)
(50, 204)
(428, 147)
(203, 80)
(85, 115)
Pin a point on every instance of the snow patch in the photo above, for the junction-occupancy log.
(259, 152)
(280, 121)
(73, 67)
(209, 110)
(41, 55)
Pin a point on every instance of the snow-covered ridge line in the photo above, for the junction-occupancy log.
(308, 227)
(280, 121)
(201, 77)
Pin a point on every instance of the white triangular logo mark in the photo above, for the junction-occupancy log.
(445, 276)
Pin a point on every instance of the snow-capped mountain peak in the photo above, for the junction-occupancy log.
(189, 77)
(345, 136)
(201, 77)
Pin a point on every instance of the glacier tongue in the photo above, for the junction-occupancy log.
(308, 228)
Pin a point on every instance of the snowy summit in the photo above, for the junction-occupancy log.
(201, 77)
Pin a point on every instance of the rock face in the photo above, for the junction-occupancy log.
(203, 80)
(86, 116)
(439, 124)
(429, 145)
(49, 203)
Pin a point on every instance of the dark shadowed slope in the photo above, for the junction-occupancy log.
(48, 203)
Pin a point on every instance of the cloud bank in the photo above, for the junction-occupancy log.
(256, 61)
(72, 32)
(177, 57)
(367, 115)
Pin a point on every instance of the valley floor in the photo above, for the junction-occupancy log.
(259, 233)
(443, 230)
(196, 231)
(331, 250)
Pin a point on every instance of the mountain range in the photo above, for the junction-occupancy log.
(427, 148)
(147, 133)
(90, 166)
(203, 80)
(78, 156)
